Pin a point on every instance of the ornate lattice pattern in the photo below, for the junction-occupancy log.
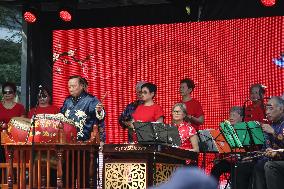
(125, 175)
(164, 171)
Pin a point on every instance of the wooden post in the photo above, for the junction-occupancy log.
(59, 168)
(91, 170)
(10, 175)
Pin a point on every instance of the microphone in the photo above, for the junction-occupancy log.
(41, 94)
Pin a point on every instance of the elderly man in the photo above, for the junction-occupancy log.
(268, 171)
(84, 109)
(126, 116)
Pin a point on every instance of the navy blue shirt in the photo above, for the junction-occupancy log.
(82, 110)
(126, 115)
(276, 141)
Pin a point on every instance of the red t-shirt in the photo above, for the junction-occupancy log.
(148, 113)
(186, 131)
(6, 114)
(194, 108)
(254, 112)
(43, 110)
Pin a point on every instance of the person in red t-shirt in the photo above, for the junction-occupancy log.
(195, 114)
(8, 109)
(188, 135)
(255, 111)
(44, 106)
(149, 111)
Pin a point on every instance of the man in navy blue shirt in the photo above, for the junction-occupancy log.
(268, 171)
(84, 109)
(126, 118)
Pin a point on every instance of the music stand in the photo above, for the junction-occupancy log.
(157, 133)
(230, 135)
(250, 133)
(206, 142)
(213, 141)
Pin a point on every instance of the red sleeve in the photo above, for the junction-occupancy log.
(198, 110)
(21, 110)
(158, 112)
(191, 131)
(31, 112)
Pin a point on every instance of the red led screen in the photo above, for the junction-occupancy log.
(223, 57)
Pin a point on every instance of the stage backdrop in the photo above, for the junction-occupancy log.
(223, 58)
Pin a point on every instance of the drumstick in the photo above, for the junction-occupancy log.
(104, 97)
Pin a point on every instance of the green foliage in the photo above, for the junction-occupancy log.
(10, 48)
(10, 61)
(11, 19)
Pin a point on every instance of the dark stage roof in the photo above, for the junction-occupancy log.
(102, 13)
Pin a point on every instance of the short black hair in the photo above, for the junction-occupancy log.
(152, 87)
(189, 82)
(260, 87)
(9, 84)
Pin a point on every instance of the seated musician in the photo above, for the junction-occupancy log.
(44, 106)
(188, 134)
(149, 111)
(126, 116)
(262, 172)
(255, 111)
(224, 165)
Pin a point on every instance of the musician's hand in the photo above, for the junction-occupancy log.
(3, 126)
(267, 128)
(101, 145)
(269, 153)
(99, 107)
(129, 124)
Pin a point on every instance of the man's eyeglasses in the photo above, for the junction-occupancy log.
(8, 92)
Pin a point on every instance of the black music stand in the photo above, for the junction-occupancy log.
(157, 133)
(206, 142)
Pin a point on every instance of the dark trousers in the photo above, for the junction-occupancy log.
(274, 174)
(221, 167)
(243, 176)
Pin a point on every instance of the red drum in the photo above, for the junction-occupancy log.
(47, 128)
(18, 129)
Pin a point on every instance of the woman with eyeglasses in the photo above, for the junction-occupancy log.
(188, 134)
(44, 104)
(8, 109)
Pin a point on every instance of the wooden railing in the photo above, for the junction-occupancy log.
(49, 165)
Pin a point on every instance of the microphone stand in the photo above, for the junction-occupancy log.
(33, 137)
(244, 109)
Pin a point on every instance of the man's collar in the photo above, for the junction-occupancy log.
(76, 99)
(279, 121)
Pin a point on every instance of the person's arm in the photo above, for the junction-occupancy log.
(161, 120)
(194, 143)
(196, 120)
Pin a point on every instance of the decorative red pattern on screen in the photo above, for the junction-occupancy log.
(223, 57)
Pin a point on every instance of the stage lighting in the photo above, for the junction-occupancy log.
(65, 15)
(268, 3)
(30, 17)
